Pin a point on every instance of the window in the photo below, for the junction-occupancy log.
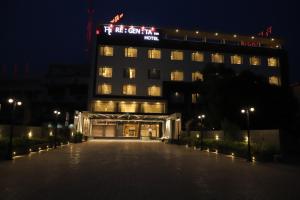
(177, 97)
(153, 108)
(274, 80)
(195, 97)
(236, 60)
(273, 62)
(154, 91)
(217, 58)
(129, 73)
(177, 76)
(255, 61)
(154, 54)
(196, 76)
(127, 107)
(197, 57)
(131, 52)
(104, 106)
(106, 51)
(154, 73)
(176, 55)
(104, 88)
(129, 89)
(105, 72)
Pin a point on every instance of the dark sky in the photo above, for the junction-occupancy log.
(41, 32)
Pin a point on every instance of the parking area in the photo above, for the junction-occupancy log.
(131, 169)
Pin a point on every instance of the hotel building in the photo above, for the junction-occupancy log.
(133, 63)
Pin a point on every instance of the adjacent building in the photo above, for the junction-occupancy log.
(138, 69)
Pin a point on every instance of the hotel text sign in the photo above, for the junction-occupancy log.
(148, 33)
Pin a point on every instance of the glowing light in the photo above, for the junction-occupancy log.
(252, 37)
(72, 134)
(197, 32)
(235, 36)
(14, 153)
(198, 135)
(97, 32)
(19, 103)
(252, 109)
(30, 134)
(10, 100)
(217, 137)
(232, 154)
(253, 158)
(216, 34)
(201, 116)
(272, 39)
(51, 133)
(177, 30)
(30, 150)
(246, 138)
(243, 111)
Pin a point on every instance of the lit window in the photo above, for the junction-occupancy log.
(153, 73)
(104, 88)
(106, 51)
(217, 58)
(129, 89)
(129, 73)
(255, 61)
(273, 62)
(197, 57)
(274, 80)
(154, 91)
(195, 97)
(196, 76)
(131, 52)
(236, 60)
(105, 72)
(176, 55)
(154, 54)
(104, 106)
(153, 108)
(177, 76)
(128, 107)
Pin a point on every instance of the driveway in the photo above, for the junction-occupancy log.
(109, 169)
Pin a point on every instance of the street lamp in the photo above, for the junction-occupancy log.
(201, 117)
(247, 112)
(56, 114)
(14, 103)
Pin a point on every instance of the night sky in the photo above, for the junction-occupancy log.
(43, 32)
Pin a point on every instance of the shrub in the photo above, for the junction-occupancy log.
(262, 152)
(77, 137)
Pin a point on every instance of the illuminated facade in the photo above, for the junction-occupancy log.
(132, 63)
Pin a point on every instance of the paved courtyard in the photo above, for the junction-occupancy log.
(142, 170)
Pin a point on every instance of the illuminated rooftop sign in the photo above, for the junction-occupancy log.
(148, 33)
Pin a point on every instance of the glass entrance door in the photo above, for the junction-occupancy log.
(130, 130)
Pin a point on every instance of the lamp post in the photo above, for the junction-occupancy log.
(56, 114)
(247, 112)
(14, 104)
(178, 120)
(201, 118)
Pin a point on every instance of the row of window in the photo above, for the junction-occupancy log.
(130, 89)
(175, 75)
(128, 107)
(131, 52)
(130, 73)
